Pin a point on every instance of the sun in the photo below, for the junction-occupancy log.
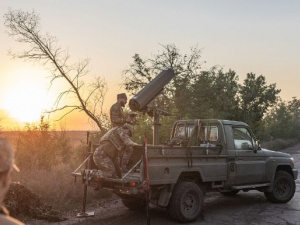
(25, 104)
(25, 100)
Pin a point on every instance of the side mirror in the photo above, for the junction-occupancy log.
(246, 146)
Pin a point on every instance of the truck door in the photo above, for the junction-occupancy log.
(250, 165)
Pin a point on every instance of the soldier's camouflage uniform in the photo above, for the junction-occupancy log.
(117, 120)
(107, 155)
(116, 115)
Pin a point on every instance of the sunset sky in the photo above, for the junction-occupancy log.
(259, 36)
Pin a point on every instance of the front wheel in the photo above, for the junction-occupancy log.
(186, 202)
(283, 188)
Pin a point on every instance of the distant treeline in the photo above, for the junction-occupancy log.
(214, 93)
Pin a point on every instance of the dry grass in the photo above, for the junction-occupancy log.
(55, 185)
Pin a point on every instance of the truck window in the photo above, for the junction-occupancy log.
(183, 130)
(189, 130)
(213, 134)
(242, 138)
(180, 132)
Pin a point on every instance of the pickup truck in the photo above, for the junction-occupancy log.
(202, 155)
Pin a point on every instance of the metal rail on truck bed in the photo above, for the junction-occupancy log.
(87, 174)
(134, 177)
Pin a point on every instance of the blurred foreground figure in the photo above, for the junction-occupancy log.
(112, 146)
(6, 167)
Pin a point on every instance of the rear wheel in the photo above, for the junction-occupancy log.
(283, 188)
(186, 203)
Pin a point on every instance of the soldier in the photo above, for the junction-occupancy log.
(117, 117)
(112, 144)
(6, 167)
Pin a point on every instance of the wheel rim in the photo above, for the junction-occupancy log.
(282, 188)
(190, 203)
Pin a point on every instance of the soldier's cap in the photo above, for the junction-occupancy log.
(7, 157)
(122, 95)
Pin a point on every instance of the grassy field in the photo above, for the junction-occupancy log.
(46, 161)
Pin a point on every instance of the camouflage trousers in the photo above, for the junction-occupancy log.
(108, 165)
(108, 161)
(125, 158)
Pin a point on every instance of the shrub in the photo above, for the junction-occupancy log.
(279, 144)
(38, 147)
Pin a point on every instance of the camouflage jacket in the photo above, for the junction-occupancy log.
(116, 115)
(118, 137)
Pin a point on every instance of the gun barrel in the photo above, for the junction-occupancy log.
(140, 101)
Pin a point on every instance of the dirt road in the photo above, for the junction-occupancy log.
(246, 208)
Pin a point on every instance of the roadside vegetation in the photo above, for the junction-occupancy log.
(46, 158)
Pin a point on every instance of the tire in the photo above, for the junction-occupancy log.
(186, 202)
(229, 193)
(283, 188)
(134, 203)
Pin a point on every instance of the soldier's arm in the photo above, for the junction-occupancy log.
(127, 141)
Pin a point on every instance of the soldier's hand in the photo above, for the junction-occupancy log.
(129, 119)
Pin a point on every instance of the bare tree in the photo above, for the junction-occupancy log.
(24, 27)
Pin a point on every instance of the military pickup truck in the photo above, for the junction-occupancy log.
(201, 156)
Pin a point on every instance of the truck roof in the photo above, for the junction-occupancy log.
(224, 122)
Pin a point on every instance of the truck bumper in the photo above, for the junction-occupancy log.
(126, 190)
(295, 173)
